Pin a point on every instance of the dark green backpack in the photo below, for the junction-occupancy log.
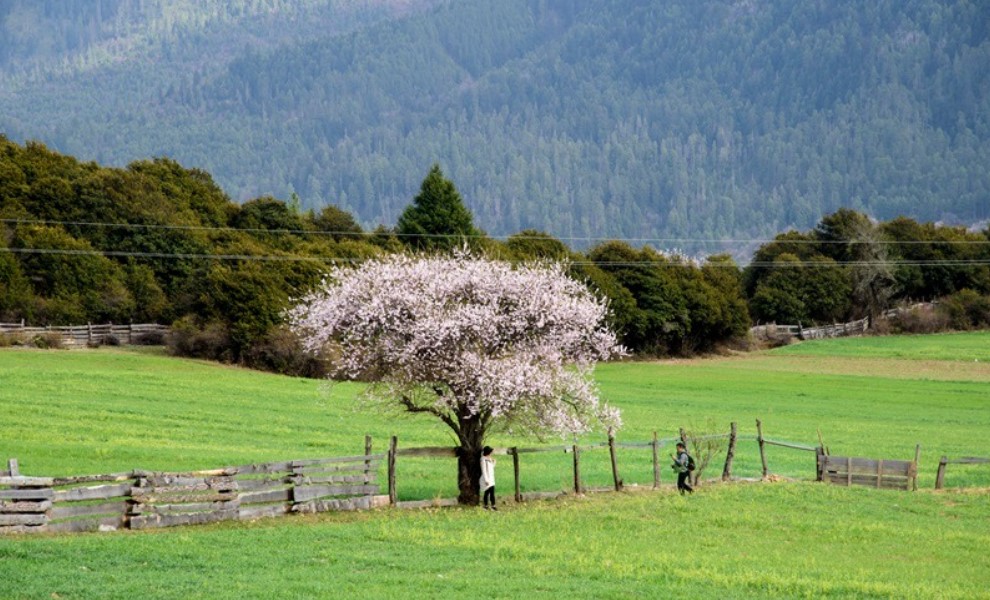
(690, 465)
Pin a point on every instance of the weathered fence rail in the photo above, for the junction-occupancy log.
(150, 499)
(880, 473)
(945, 461)
(89, 335)
(774, 331)
(577, 451)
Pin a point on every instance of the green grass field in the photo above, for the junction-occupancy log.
(79, 412)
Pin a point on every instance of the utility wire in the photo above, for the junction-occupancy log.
(656, 264)
(208, 228)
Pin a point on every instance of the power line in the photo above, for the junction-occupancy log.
(600, 263)
(373, 233)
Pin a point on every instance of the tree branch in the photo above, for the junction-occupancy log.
(412, 407)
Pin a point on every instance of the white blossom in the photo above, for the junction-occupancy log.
(464, 337)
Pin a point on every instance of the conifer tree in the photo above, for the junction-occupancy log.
(437, 219)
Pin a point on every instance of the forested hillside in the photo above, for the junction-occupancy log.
(157, 241)
(730, 119)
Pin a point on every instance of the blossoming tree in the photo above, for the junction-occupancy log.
(473, 342)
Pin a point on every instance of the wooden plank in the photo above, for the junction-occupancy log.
(312, 492)
(259, 512)
(340, 459)
(186, 508)
(27, 506)
(311, 479)
(434, 451)
(13, 470)
(80, 525)
(101, 492)
(168, 482)
(355, 468)
(316, 506)
(224, 472)
(153, 521)
(27, 529)
(867, 465)
(28, 494)
(275, 467)
(177, 498)
(888, 482)
(110, 477)
(278, 495)
(256, 485)
(21, 481)
(564, 449)
(172, 481)
(23, 519)
(76, 510)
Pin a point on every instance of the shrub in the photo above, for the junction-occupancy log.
(10, 339)
(966, 309)
(150, 338)
(193, 339)
(280, 351)
(920, 320)
(48, 340)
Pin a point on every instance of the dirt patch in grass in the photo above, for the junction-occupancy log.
(933, 370)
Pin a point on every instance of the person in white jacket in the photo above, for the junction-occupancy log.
(487, 480)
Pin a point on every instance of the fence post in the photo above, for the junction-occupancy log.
(392, 446)
(730, 453)
(917, 459)
(515, 471)
(577, 468)
(940, 476)
(656, 461)
(12, 468)
(763, 452)
(820, 463)
(615, 466)
(367, 463)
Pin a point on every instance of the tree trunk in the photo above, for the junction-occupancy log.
(472, 438)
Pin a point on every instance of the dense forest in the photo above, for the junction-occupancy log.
(157, 241)
(710, 123)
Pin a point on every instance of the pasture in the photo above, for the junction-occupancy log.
(86, 411)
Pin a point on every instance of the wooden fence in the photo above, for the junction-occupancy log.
(889, 474)
(577, 452)
(774, 331)
(89, 335)
(945, 461)
(147, 499)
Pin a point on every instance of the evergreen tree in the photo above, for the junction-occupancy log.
(437, 219)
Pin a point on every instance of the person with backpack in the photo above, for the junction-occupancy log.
(684, 465)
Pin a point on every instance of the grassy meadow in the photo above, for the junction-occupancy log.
(91, 411)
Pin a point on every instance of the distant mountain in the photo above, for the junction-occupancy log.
(727, 119)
